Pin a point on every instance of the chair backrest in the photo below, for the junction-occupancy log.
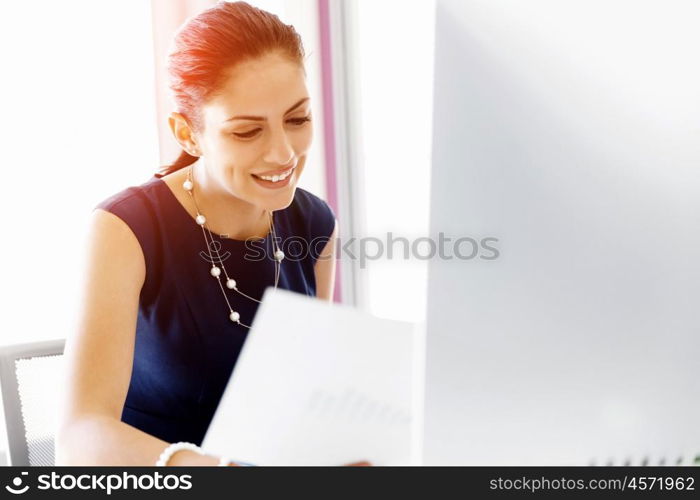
(31, 390)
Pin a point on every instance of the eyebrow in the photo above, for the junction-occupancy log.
(261, 118)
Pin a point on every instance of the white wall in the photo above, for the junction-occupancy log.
(78, 125)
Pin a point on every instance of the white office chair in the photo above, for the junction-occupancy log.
(30, 381)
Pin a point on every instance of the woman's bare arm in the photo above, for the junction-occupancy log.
(324, 269)
(99, 358)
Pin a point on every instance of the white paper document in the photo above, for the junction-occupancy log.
(320, 384)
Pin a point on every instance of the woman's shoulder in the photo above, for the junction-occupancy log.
(138, 207)
(313, 212)
(310, 202)
(135, 195)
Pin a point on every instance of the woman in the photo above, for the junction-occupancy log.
(172, 284)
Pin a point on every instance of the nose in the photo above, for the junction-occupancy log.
(280, 151)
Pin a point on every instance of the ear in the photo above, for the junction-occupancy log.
(183, 133)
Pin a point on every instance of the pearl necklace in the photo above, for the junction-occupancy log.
(215, 270)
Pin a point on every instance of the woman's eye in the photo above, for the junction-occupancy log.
(247, 135)
(253, 133)
(300, 121)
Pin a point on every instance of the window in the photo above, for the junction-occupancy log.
(392, 55)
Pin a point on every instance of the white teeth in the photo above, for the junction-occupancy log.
(276, 178)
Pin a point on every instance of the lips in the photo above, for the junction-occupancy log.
(279, 171)
(275, 185)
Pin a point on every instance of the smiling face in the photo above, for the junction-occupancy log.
(258, 124)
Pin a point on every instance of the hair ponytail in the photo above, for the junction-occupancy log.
(184, 160)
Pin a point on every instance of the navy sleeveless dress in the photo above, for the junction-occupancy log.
(186, 345)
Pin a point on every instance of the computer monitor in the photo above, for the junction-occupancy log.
(565, 329)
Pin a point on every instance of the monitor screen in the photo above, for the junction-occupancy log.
(563, 320)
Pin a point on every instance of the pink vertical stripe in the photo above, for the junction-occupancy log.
(328, 121)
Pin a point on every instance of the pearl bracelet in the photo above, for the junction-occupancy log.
(172, 448)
